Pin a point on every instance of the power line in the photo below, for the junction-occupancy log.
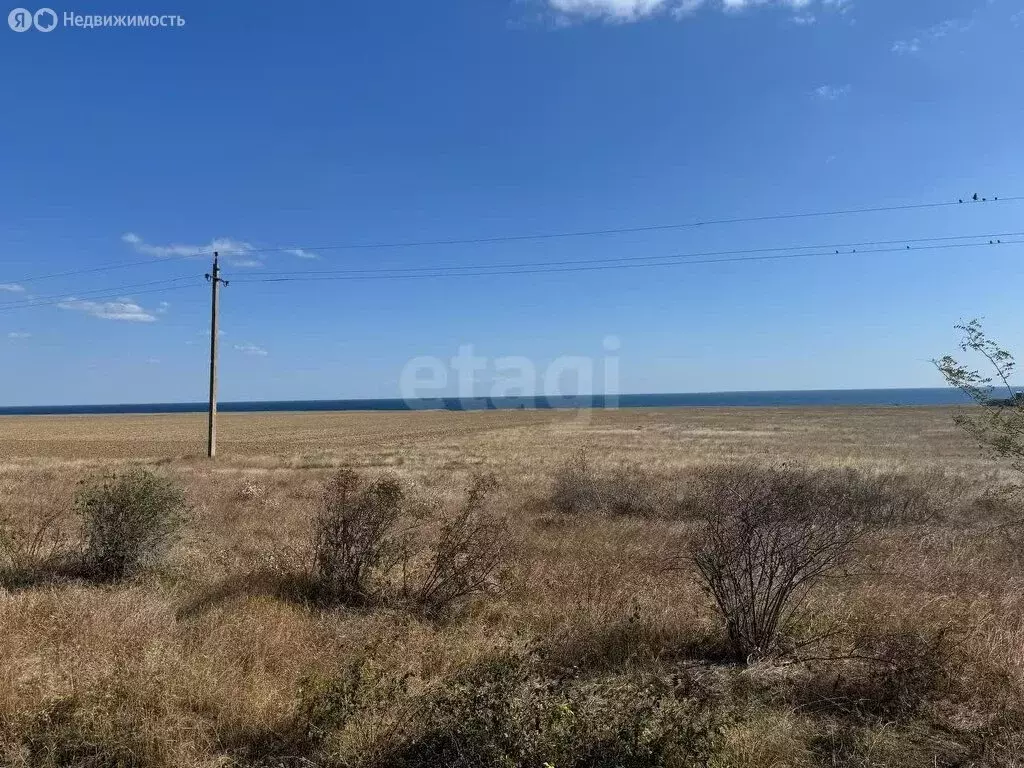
(620, 230)
(114, 296)
(595, 267)
(613, 259)
(527, 268)
(77, 294)
(515, 238)
(100, 268)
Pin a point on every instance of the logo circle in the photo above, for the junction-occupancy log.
(20, 20)
(40, 19)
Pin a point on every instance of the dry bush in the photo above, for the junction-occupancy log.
(354, 539)
(574, 489)
(129, 520)
(768, 536)
(34, 550)
(469, 549)
(894, 498)
(627, 489)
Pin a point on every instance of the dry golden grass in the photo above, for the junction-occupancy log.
(212, 660)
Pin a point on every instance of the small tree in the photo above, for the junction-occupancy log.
(129, 520)
(999, 423)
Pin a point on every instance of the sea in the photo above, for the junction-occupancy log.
(783, 398)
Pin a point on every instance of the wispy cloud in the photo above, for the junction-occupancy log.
(623, 11)
(19, 335)
(238, 253)
(12, 288)
(937, 32)
(831, 92)
(913, 45)
(122, 309)
(251, 349)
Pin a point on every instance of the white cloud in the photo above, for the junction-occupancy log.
(936, 32)
(19, 335)
(302, 254)
(122, 309)
(622, 10)
(251, 349)
(831, 92)
(12, 288)
(906, 46)
(634, 10)
(237, 251)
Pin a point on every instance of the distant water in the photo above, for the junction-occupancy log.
(816, 397)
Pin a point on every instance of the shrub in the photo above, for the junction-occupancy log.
(508, 713)
(892, 498)
(129, 520)
(627, 490)
(353, 535)
(575, 487)
(468, 551)
(768, 535)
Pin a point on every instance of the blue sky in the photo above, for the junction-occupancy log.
(305, 126)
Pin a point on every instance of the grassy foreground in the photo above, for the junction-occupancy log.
(593, 645)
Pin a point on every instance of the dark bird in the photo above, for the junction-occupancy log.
(960, 200)
(975, 198)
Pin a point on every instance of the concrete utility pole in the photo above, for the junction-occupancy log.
(215, 281)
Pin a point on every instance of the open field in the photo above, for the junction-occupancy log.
(592, 645)
(503, 438)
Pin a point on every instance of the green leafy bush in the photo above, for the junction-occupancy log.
(507, 712)
(129, 520)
